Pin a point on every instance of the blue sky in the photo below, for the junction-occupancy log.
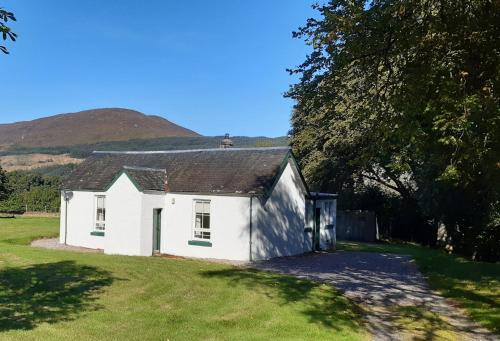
(211, 66)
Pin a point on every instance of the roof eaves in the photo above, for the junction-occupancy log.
(322, 196)
(304, 182)
(277, 177)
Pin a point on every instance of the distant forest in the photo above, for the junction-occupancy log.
(164, 143)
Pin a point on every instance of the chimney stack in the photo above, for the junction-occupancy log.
(226, 142)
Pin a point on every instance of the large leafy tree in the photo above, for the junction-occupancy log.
(5, 30)
(20, 190)
(405, 94)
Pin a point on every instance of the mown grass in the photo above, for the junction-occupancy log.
(54, 294)
(23, 230)
(474, 285)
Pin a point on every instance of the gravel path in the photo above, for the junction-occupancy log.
(53, 243)
(381, 284)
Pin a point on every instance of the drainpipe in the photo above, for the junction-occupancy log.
(67, 196)
(250, 231)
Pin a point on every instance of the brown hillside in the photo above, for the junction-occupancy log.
(33, 161)
(89, 126)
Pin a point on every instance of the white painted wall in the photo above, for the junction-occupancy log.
(229, 224)
(129, 219)
(81, 220)
(123, 218)
(278, 228)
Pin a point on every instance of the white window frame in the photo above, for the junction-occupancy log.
(202, 230)
(99, 225)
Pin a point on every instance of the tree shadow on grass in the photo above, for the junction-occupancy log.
(482, 305)
(422, 323)
(48, 293)
(323, 304)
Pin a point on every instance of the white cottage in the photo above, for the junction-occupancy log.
(239, 204)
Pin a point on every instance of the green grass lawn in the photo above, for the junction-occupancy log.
(54, 294)
(474, 285)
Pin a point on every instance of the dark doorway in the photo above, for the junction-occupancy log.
(156, 229)
(317, 222)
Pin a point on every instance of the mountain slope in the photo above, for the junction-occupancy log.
(89, 126)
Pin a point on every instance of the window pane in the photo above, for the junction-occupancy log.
(100, 202)
(206, 221)
(100, 208)
(206, 235)
(206, 207)
(198, 207)
(100, 214)
(198, 234)
(197, 223)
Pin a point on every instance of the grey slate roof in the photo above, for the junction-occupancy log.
(147, 179)
(235, 170)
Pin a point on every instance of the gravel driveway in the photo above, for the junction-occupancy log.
(53, 243)
(382, 284)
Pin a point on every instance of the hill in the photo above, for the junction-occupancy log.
(35, 161)
(89, 127)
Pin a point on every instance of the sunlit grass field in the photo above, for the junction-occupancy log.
(55, 294)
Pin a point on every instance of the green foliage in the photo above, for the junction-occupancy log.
(7, 33)
(13, 205)
(41, 199)
(30, 191)
(21, 181)
(404, 95)
(4, 189)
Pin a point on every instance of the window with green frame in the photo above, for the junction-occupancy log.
(201, 226)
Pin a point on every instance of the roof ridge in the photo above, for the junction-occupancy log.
(188, 150)
(145, 169)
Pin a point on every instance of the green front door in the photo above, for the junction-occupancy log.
(156, 229)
